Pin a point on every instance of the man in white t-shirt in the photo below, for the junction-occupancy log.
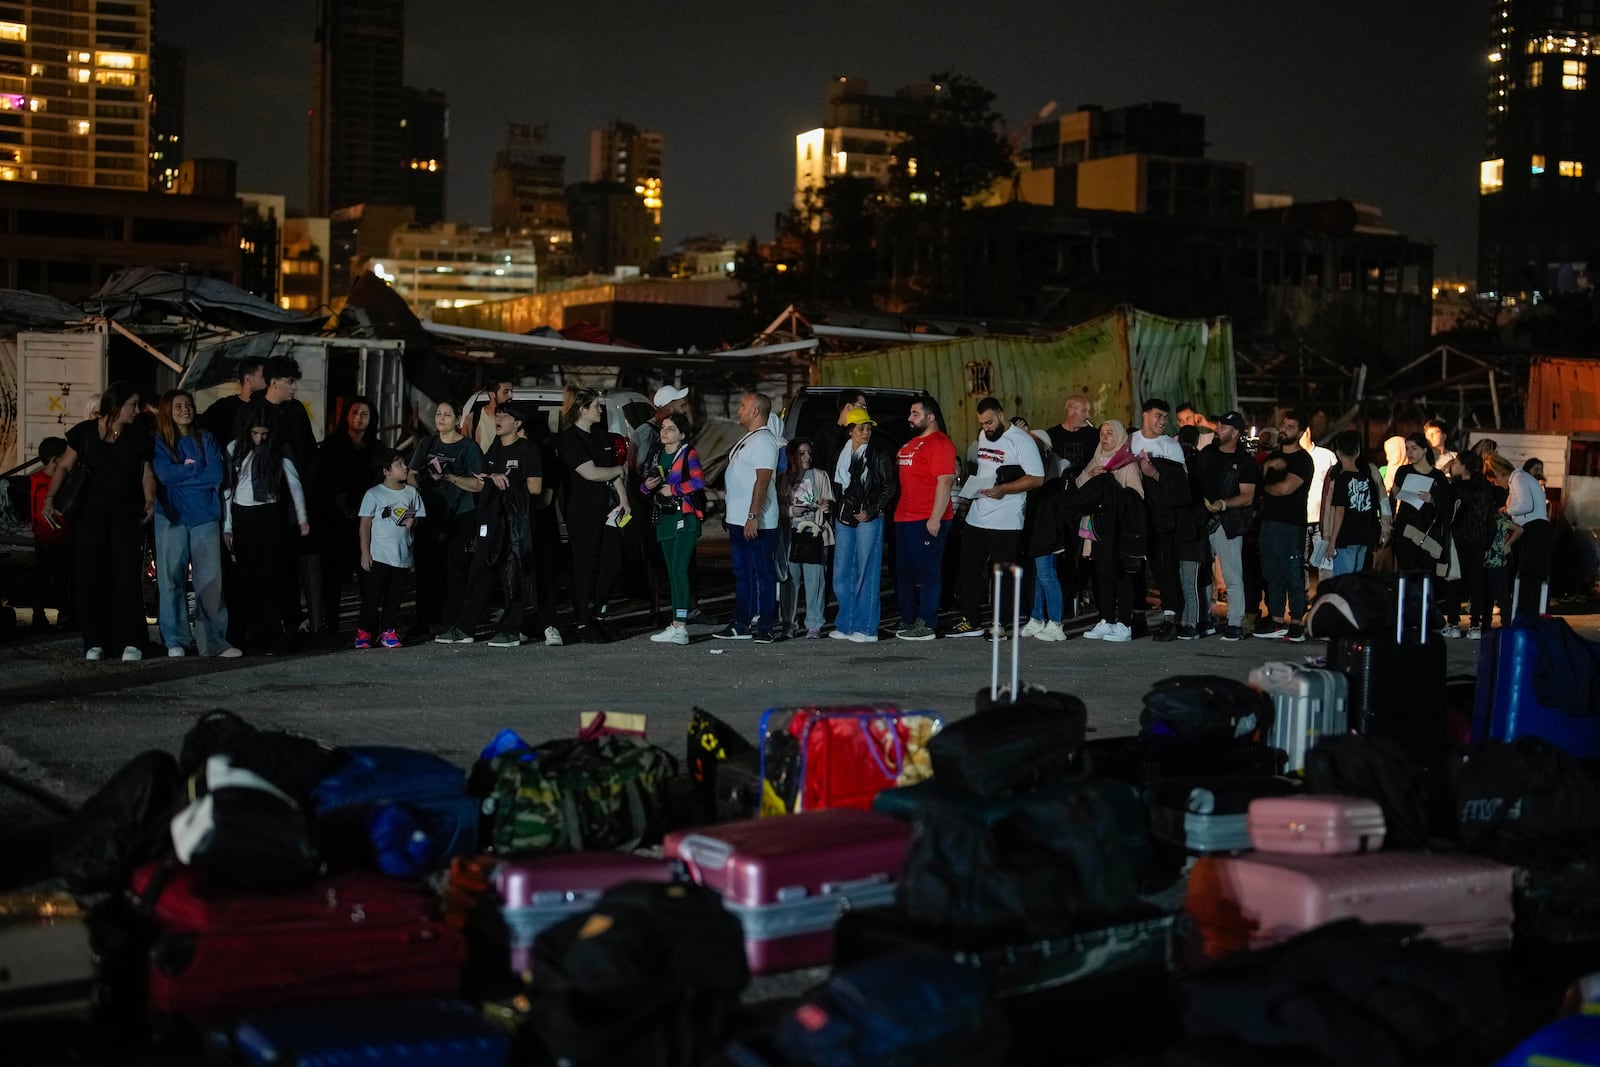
(1149, 443)
(1008, 466)
(752, 522)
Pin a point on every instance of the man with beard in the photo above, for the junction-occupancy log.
(1228, 479)
(1009, 466)
(922, 517)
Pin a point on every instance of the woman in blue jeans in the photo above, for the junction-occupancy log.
(806, 495)
(1046, 539)
(188, 465)
(868, 480)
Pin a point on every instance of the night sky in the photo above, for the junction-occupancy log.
(1376, 101)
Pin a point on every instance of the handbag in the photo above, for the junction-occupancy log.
(805, 546)
(70, 493)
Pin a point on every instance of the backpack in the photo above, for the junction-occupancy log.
(1524, 794)
(1202, 708)
(576, 794)
(244, 830)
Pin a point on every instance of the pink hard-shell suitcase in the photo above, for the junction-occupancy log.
(788, 880)
(1245, 902)
(1316, 825)
(539, 891)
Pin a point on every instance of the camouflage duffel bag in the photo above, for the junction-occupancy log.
(577, 794)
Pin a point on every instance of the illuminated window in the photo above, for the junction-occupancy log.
(1569, 168)
(1491, 175)
(81, 74)
(1536, 74)
(1538, 165)
(1574, 73)
(116, 60)
(36, 69)
(8, 174)
(83, 127)
(115, 77)
(13, 31)
(1495, 57)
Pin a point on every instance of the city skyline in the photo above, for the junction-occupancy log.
(1374, 102)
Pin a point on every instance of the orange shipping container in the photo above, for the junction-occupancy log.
(1563, 395)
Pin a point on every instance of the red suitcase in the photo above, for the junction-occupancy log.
(540, 891)
(1316, 825)
(1245, 902)
(220, 952)
(788, 880)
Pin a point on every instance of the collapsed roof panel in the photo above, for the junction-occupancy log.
(127, 294)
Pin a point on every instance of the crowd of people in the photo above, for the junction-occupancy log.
(268, 527)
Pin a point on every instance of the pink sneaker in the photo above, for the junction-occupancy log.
(363, 639)
(390, 639)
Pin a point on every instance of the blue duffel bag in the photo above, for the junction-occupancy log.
(399, 810)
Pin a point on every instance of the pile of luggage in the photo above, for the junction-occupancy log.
(1267, 871)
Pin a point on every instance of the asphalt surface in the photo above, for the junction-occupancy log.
(66, 725)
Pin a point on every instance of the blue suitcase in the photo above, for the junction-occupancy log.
(1507, 704)
(403, 792)
(1570, 1042)
(413, 1033)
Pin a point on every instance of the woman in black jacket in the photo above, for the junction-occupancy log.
(1474, 528)
(1424, 507)
(868, 481)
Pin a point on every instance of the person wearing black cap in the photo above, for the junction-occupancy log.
(1228, 479)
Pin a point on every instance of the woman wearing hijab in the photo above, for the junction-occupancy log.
(1394, 457)
(1112, 485)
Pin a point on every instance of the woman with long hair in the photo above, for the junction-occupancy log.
(189, 473)
(116, 495)
(1423, 511)
(265, 497)
(347, 467)
(1112, 533)
(596, 506)
(806, 495)
(444, 469)
(676, 488)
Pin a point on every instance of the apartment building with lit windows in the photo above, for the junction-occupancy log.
(450, 266)
(622, 153)
(75, 92)
(1539, 177)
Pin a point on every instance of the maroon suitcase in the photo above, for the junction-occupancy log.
(1245, 902)
(539, 891)
(788, 879)
(220, 952)
(1316, 825)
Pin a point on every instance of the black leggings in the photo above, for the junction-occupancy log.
(260, 543)
(109, 554)
(596, 559)
(1113, 584)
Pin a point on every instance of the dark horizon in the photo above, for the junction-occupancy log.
(1329, 104)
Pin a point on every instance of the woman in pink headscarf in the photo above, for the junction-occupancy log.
(1113, 531)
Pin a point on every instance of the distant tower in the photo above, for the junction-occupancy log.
(167, 78)
(425, 148)
(621, 152)
(1538, 204)
(356, 140)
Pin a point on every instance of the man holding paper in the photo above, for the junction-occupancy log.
(1009, 465)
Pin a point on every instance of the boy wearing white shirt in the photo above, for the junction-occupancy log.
(993, 530)
(388, 513)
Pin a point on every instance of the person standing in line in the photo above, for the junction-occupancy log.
(922, 517)
(1357, 519)
(256, 528)
(189, 469)
(752, 523)
(1527, 508)
(1008, 468)
(597, 505)
(1148, 444)
(832, 437)
(807, 496)
(1435, 431)
(865, 475)
(52, 543)
(444, 468)
(221, 418)
(388, 515)
(293, 439)
(676, 488)
(349, 466)
(118, 497)
(501, 390)
(1422, 537)
(1073, 441)
(1286, 481)
(1497, 558)
(1474, 529)
(1228, 480)
(502, 545)
(1115, 532)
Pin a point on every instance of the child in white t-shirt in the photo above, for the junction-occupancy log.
(388, 512)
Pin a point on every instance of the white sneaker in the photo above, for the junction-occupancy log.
(552, 637)
(1450, 631)
(230, 653)
(175, 652)
(131, 655)
(1120, 631)
(1475, 633)
(1099, 632)
(95, 654)
(862, 639)
(1033, 628)
(672, 635)
(1052, 632)
(837, 634)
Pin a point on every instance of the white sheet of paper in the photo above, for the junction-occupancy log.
(1413, 487)
(975, 485)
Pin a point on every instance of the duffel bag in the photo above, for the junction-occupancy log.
(573, 794)
(1007, 747)
(1202, 708)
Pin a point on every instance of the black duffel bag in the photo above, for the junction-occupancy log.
(1524, 794)
(1008, 747)
(1204, 708)
(121, 826)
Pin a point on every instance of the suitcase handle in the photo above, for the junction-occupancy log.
(852, 884)
(1516, 598)
(699, 852)
(994, 633)
(1400, 610)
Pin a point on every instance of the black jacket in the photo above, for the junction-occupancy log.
(1051, 523)
(874, 483)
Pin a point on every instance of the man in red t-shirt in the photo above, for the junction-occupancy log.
(922, 520)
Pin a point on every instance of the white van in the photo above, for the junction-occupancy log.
(624, 408)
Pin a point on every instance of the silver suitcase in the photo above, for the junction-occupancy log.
(1307, 705)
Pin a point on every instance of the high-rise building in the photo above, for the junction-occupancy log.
(623, 153)
(450, 266)
(168, 75)
(858, 133)
(611, 227)
(261, 243)
(304, 264)
(425, 148)
(75, 93)
(1538, 211)
(356, 143)
(527, 188)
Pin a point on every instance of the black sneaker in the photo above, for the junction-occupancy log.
(1185, 633)
(762, 637)
(1232, 633)
(592, 634)
(1166, 632)
(1297, 633)
(1270, 628)
(963, 628)
(732, 632)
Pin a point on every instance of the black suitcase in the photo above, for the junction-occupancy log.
(1143, 763)
(1397, 685)
(1020, 737)
(1210, 814)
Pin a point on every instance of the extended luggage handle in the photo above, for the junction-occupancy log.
(1516, 598)
(994, 634)
(1400, 610)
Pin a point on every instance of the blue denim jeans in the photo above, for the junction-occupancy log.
(180, 550)
(919, 570)
(755, 578)
(857, 577)
(1046, 589)
(1349, 560)
(814, 577)
(1282, 549)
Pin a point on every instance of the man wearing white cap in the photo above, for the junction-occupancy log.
(647, 435)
